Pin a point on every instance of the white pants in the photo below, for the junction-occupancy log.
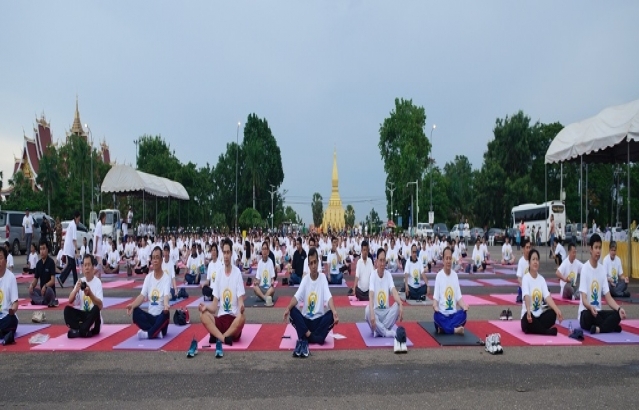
(385, 319)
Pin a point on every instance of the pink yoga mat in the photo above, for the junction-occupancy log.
(134, 343)
(63, 343)
(28, 306)
(509, 298)
(634, 323)
(513, 327)
(473, 300)
(371, 341)
(611, 338)
(354, 302)
(498, 282)
(248, 335)
(108, 302)
(288, 343)
(116, 284)
(558, 297)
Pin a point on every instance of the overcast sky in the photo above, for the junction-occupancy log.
(323, 73)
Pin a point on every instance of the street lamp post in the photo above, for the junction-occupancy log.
(391, 192)
(416, 182)
(237, 148)
(272, 193)
(91, 153)
(431, 167)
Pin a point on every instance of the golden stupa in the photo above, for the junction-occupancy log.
(334, 215)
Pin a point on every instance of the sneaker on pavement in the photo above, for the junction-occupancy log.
(192, 349)
(269, 301)
(397, 346)
(38, 317)
(304, 349)
(8, 339)
(298, 349)
(503, 315)
(142, 334)
(509, 314)
(219, 353)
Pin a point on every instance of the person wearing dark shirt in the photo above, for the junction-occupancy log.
(45, 273)
(299, 256)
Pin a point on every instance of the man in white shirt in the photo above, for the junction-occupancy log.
(8, 301)
(70, 250)
(336, 267)
(415, 281)
(523, 266)
(215, 267)
(617, 282)
(560, 253)
(128, 222)
(224, 317)
(143, 257)
(27, 229)
(363, 272)
(593, 287)
(157, 290)
(313, 322)
(384, 316)
(82, 314)
(98, 251)
(568, 272)
(392, 257)
(479, 264)
(507, 253)
(265, 277)
(446, 297)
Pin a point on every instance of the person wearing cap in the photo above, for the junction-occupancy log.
(617, 281)
(27, 228)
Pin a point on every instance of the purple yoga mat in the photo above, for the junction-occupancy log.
(497, 282)
(27, 329)
(133, 343)
(506, 271)
(367, 335)
(469, 282)
(611, 338)
(108, 302)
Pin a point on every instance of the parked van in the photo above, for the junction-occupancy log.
(112, 225)
(424, 229)
(11, 230)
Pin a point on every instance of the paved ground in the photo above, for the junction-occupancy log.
(451, 378)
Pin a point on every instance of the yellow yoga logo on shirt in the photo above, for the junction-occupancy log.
(193, 268)
(155, 297)
(311, 304)
(571, 278)
(415, 277)
(594, 293)
(613, 273)
(86, 302)
(536, 299)
(450, 298)
(213, 276)
(265, 278)
(1, 297)
(381, 300)
(166, 272)
(527, 270)
(227, 297)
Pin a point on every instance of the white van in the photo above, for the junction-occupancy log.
(112, 225)
(424, 229)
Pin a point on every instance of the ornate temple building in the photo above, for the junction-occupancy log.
(34, 148)
(334, 215)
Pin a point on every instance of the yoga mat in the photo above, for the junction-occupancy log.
(611, 338)
(134, 343)
(63, 343)
(634, 323)
(248, 335)
(179, 285)
(498, 282)
(558, 299)
(506, 271)
(288, 343)
(509, 298)
(354, 302)
(196, 303)
(254, 301)
(116, 284)
(468, 282)
(343, 285)
(467, 339)
(472, 300)
(513, 328)
(145, 305)
(29, 306)
(371, 341)
(26, 329)
(107, 302)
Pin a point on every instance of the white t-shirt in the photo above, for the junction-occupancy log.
(391, 257)
(447, 292)
(213, 269)
(97, 246)
(27, 224)
(594, 284)
(155, 290)
(33, 260)
(227, 289)
(129, 217)
(70, 236)
(363, 272)
(414, 272)
(8, 292)
(114, 256)
(478, 255)
(333, 264)
(314, 296)
(537, 290)
(613, 268)
(382, 289)
(570, 272)
(193, 263)
(507, 251)
(168, 268)
(10, 260)
(84, 302)
(522, 267)
(560, 250)
(265, 273)
(425, 257)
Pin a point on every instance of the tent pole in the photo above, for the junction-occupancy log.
(581, 197)
(561, 180)
(586, 199)
(168, 213)
(628, 216)
(156, 212)
(546, 200)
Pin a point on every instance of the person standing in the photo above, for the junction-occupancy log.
(128, 222)
(27, 229)
(97, 241)
(70, 251)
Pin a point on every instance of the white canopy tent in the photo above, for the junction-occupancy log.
(125, 180)
(612, 136)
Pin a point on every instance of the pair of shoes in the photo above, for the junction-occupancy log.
(493, 344)
(269, 301)
(8, 339)
(503, 315)
(54, 303)
(192, 349)
(298, 349)
(73, 334)
(38, 317)
(219, 353)
(399, 344)
(509, 314)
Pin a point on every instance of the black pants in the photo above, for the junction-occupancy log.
(540, 325)
(207, 291)
(141, 270)
(606, 320)
(70, 267)
(88, 323)
(8, 324)
(483, 266)
(360, 294)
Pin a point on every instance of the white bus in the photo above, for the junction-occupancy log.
(538, 216)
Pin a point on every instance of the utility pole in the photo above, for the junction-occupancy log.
(272, 214)
(391, 192)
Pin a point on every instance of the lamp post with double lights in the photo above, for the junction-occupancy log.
(391, 192)
(431, 167)
(237, 149)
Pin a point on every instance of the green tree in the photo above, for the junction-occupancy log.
(317, 207)
(441, 204)
(291, 216)
(459, 177)
(250, 218)
(219, 222)
(349, 216)
(23, 196)
(405, 151)
(48, 177)
(223, 182)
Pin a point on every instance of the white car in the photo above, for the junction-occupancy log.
(454, 232)
(83, 232)
(424, 230)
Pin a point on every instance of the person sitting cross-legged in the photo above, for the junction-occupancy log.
(157, 290)
(265, 277)
(415, 281)
(313, 322)
(479, 263)
(568, 272)
(192, 277)
(224, 317)
(507, 252)
(381, 286)
(617, 282)
(446, 297)
(8, 301)
(45, 274)
(537, 317)
(336, 266)
(82, 315)
(593, 286)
